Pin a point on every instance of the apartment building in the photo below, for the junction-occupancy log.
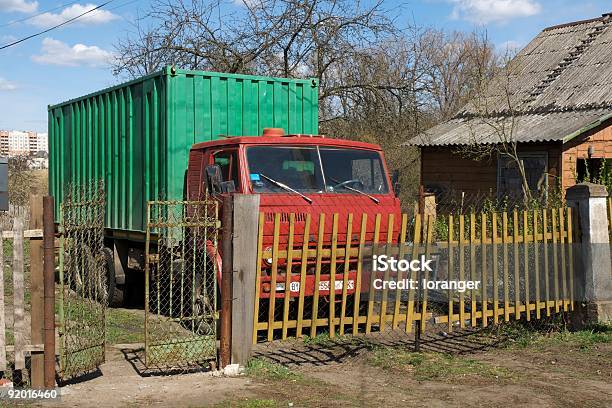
(17, 143)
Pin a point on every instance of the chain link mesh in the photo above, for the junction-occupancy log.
(83, 275)
(181, 284)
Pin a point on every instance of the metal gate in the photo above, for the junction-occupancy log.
(82, 298)
(181, 284)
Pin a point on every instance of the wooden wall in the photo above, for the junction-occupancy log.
(444, 168)
(601, 140)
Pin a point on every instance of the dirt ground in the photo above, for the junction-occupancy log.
(558, 370)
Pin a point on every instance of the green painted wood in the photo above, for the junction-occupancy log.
(137, 135)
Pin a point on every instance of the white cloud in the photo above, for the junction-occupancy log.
(486, 11)
(6, 85)
(95, 17)
(55, 52)
(5, 39)
(22, 6)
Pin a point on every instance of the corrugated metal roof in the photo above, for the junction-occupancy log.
(563, 75)
(557, 126)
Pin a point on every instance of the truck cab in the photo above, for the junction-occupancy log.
(299, 174)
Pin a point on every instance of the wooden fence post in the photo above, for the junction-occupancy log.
(2, 319)
(36, 292)
(593, 283)
(225, 343)
(246, 224)
(18, 298)
(49, 291)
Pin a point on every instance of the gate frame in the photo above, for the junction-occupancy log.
(210, 221)
(95, 187)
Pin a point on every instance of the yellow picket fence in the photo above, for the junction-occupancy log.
(524, 261)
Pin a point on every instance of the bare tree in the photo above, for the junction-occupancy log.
(289, 38)
(20, 181)
(494, 114)
(454, 67)
(376, 82)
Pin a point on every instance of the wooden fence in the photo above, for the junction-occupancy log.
(524, 261)
(15, 211)
(22, 254)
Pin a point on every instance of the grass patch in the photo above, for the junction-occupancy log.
(8, 270)
(250, 403)
(434, 366)
(322, 340)
(263, 369)
(9, 337)
(521, 336)
(124, 326)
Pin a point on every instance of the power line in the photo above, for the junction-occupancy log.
(55, 26)
(36, 15)
(127, 3)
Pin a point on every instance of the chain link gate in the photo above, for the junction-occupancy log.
(83, 294)
(181, 284)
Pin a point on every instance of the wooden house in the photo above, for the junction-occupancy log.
(558, 107)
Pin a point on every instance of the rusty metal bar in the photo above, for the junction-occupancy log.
(49, 291)
(225, 351)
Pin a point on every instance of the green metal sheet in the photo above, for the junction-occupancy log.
(136, 136)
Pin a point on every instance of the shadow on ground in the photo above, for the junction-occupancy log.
(315, 352)
(136, 357)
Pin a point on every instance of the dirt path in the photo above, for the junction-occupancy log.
(557, 372)
(120, 385)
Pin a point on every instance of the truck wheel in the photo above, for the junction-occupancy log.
(114, 292)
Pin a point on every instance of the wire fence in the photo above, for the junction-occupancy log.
(83, 276)
(181, 285)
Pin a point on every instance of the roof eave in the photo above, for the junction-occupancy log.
(586, 128)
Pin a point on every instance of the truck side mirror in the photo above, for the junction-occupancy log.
(395, 182)
(214, 179)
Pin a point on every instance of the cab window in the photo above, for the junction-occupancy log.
(227, 160)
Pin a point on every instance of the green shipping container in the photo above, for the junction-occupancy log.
(137, 135)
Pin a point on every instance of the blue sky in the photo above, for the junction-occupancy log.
(72, 61)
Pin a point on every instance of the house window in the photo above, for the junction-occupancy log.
(509, 180)
(593, 170)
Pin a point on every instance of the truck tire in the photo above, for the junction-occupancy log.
(114, 292)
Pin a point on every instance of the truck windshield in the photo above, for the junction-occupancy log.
(316, 170)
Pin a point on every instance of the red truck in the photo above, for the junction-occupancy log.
(300, 174)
